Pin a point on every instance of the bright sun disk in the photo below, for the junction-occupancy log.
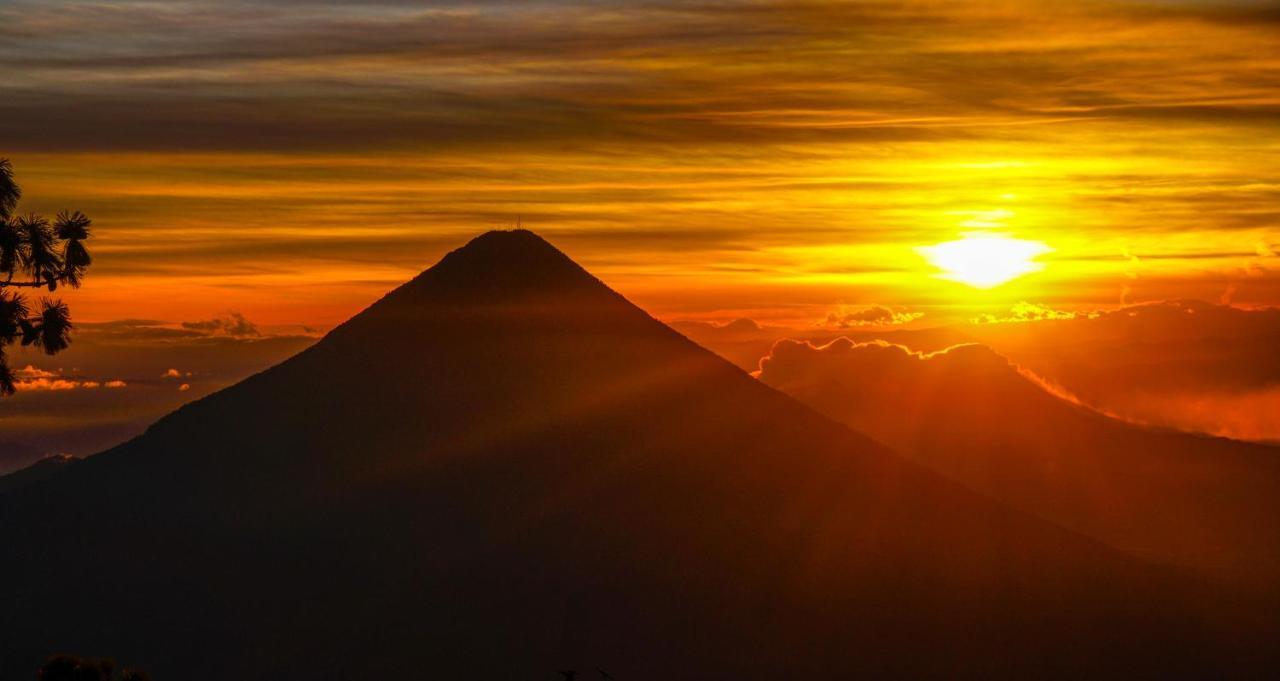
(985, 260)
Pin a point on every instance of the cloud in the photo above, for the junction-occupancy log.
(794, 361)
(135, 330)
(30, 371)
(1032, 312)
(232, 324)
(232, 327)
(349, 143)
(887, 389)
(1228, 293)
(736, 327)
(185, 74)
(32, 378)
(59, 384)
(873, 315)
(48, 384)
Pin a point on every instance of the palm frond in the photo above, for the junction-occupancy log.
(72, 225)
(13, 312)
(75, 260)
(10, 248)
(30, 331)
(39, 257)
(10, 192)
(8, 381)
(51, 329)
(73, 228)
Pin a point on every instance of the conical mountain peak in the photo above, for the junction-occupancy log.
(504, 263)
(514, 250)
(497, 284)
(518, 239)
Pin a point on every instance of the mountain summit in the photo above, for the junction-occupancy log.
(503, 263)
(503, 469)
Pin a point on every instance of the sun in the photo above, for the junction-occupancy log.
(985, 259)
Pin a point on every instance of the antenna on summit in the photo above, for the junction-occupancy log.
(518, 221)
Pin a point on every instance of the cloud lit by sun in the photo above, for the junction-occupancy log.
(985, 260)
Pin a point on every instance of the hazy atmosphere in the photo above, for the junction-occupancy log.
(563, 339)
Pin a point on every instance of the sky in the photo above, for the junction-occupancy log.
(286, 163)
(293, 160)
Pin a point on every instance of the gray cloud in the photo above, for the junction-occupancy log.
(328, 75)
(232, 324)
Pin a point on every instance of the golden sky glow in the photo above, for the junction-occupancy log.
(293, 161)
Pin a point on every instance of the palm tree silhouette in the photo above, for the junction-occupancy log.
(39, 254)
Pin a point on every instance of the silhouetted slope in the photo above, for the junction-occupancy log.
(503, 468)
(40, 470)
(1204, 503)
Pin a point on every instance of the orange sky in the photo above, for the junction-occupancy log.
(293, 161)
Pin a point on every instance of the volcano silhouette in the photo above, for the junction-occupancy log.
(503, 469)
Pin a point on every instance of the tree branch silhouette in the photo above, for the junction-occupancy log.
(40, 254)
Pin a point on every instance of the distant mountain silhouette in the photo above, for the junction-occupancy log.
(1188, 364)
(1199, 502)
(40, 470)
(503, 469)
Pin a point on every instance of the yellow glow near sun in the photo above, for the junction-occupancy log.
(984, 259)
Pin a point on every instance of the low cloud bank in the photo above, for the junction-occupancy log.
(34, 378)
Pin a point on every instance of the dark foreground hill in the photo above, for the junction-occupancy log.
(503, 469)
(37, 472)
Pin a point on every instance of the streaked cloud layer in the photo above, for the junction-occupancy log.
(295, 159)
